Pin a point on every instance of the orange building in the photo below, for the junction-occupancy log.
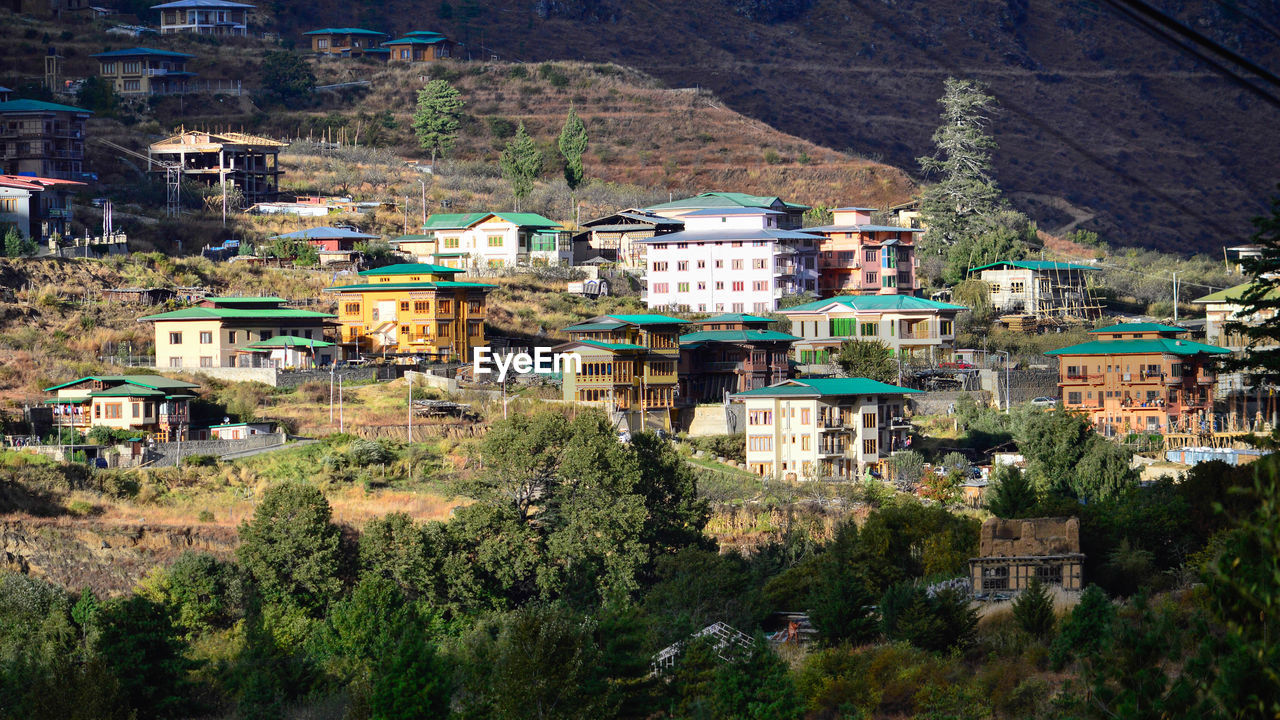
(1140, 377)
(856, 257)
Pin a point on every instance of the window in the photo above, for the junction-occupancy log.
(760, 285)
(421, 307)
(108, 68)
(231, 337)
(759, 264)
(137, 410)
(475, 307)
(737, 307)
(872, 278)
(869, 446)
(351, 308)
(737, 264)
(132, 85)
(175, 338)
(322, 43)
(495, 241)
(869, 255)
(1175, 370)
(760, 308)
(1017, 287)
(444, 330)
(682, 246)
(702, 286)
(702, 264)
(473, 329)
(869, 421)
(760, 417)
(804, 416)
(739, 286)
(175, 362)
(719, 264)
(264, 335)
(804, 442)
(1073, 398)
(404, 55)
(404, 306)
(660, 266)
(111, 411)
(995, 288)
(131, 68)
(445, 307)
(451, 242)
(660, 287)
(760, 443)
(945, 327)
(682, 266)
(870, 329)
(720, 285)
(206, 361)
(206, 337)
(682, 287)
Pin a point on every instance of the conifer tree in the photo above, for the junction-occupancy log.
(573, 143)
(521, 163)
(1033, 609)
(436, 119)
(966, 190)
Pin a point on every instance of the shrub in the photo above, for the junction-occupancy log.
(772, 157)
(200, 460)
(1033, 609)
(367, 452)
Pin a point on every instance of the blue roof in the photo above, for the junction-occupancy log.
(200, 4)
(343, 31)
(728, 235)
(141, 51)
(416, 40)
(325, 233)
(861, 228)
(38, 105)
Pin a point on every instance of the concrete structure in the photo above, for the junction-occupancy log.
(206, 17)
(1041, 288)
(347, 42)
(248, 162)
(790, 215)
(812, 429)
(145, 403)
(420, 46)
(729, 260)
(240, 431)
(222, 331)
(1139, 377)
(496, 240)
(417, 248)
(42, 139)
(412, 309)
(613, 237)
(912, 327)
(729, 354)
(860, 258)
(629, 367)
(1222, 310)
(39, 208)
(1012, 552)
(144, 71)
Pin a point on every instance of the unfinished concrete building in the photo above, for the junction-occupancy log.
(248, 162)
(1012, 552)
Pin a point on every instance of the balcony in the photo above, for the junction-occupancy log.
(784, 269)
(917, 334)
(1170, 379)
(831, 448)
(1206, 378)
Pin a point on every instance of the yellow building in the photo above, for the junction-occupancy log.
(228, 331)
(347, 42)
(412, 309)
(419, 46)
(144, 71)
(629, 367)
(145, 403)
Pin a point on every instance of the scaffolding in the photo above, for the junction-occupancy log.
(1065, 297)
(728, 642)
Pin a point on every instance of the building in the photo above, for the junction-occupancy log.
(412, 309)
(334, 244)
(913, 328)
(240, 431)
(790, 215)
(812, 429)
(1013, 552)
(347, 42)
(416, 247)
(613, 237)
(42, 139)
(145, 403)
(729, 260)
(288, 352)
(1140, 378)
(248, 162)
(420, 46)
(1041, 288)
(39, 208)
(496, 240)
(5, 93)
(729, 354)
(144, 71)
(221, 332)
(1225, 307)
(207, 17)
(629, 368)
(857, 257)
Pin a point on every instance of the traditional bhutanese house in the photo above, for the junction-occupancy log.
(42, 139)
(1222, 310)
(729, 354)
(613, 237)
(1141, 378)
(413, 310)
(417, 248)
(1040, 287)
(240, 431)
(419, 46)
(206, 17)
(1012, 553)
(145, 403)
(629, 367)
(214, 333)
(858, 257)
(347, 42)
(248, 162)
(287, 351)
(502, 239)
(911, 327)
(813, 429)
(145, 71)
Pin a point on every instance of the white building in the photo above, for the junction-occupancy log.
(911, 327)
(496, 240)
(207, 17)
(1040, 287)
(733, 260)
(823, 428)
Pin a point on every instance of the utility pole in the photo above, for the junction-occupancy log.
(331, 368)
(423, 183)
(1175, 298)
(409, 377)
(341, 425)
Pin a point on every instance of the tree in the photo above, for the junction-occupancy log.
(410, 680)
(521, 163)
(98, 95)
(522, 460)
(1033, 609)
(867, 359)
(1053, 443)
(1261, 299)
(1086, 630)
(907, 467)
(15, 245)
(675, 515)
(1010, 495)
(966, 190)
(290, 548)
(573, 143)
(1103, 473)
(199, 591)
(140, 644)
(287, 75)
(936, 621)
(841, 603)
(437, 117)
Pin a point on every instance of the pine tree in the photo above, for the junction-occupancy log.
(521, 163)
(967, 189)
(436, 119)
(1262, 356)
(573, 143)
(1033, 609)
(1012, 495)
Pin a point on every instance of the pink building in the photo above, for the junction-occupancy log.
(730, 260)
(858, 258)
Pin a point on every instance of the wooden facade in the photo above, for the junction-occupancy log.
(730, 354)
(629, 367)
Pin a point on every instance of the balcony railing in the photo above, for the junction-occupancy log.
(831, 448)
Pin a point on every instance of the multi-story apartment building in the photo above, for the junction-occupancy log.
(912, 327)
(1140, 377)
(729, 260)
(629, 367)
(39, 208)
(226, 331)
(412, 310)
(857, 257)
(790, 215)
(207, 17)
(1223, 310)
(248, 162)
(1040, 287)
(419, 46)
(823, 428)
(348, 42)
(495, 240)
(145, 403)
(613, 237)
(731, 353)
(144, 71)
(42, 139)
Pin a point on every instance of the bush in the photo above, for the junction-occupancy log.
(364, 453)
(200, 460)
(1033, 609)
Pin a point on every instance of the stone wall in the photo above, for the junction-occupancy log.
(167, 454)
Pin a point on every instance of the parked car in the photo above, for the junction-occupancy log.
(1046, 402)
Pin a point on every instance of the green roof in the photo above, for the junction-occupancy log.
(127, 390)
(453, 221)
(343, 31)
(1140, 346)
(647, 319)
(1034, 265)
(38, 105)
(217, 313)
(155, 382)
(425, 285)
(233, 298)
(874, 302)
(823, 387)
(586, 327)
(1143, 327)
(1235, 294)
(725, 199)
(409, 269)
(610, 346)
(736, 336)
(735, 317)
(415, 41)
(289, 341)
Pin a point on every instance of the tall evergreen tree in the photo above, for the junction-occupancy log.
(290, 548)
(1262, 358)
(521, 162)
(1033, 609)
(573, 143)
(966, 190)
(1011, 495)
(867, 359)
(436, 119)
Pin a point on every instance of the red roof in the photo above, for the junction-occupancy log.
(25, 182)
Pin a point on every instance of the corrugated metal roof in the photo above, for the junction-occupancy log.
(141, 51)
(202, 313)
(155, 382)
(735, 317)
(343, 31)
(1139, 327)
(736, 336)
(426, 285)
(200, 4)
(861, 228)
(822, 387)
(38, 106)
(1137, 346)
(873, 302)
(728, 235)
(1034, 265)
(410, 269)
(326, 233)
